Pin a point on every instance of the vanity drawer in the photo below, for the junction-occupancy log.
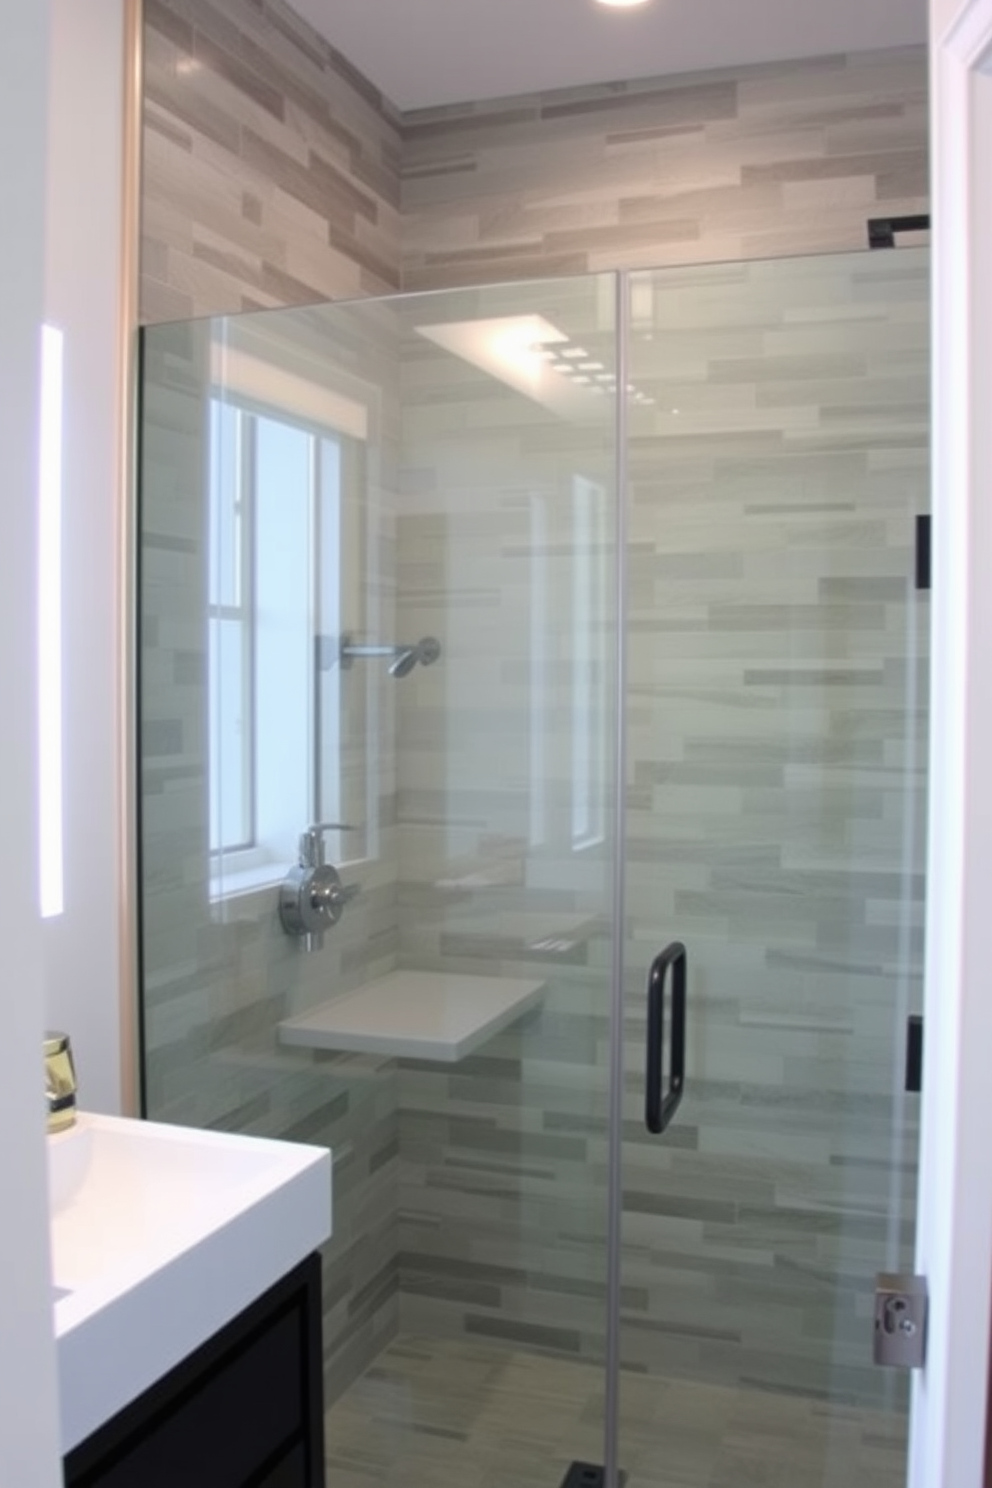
(245, 1409)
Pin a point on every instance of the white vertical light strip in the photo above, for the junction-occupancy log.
(50, 789)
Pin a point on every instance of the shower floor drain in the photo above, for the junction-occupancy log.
(587, 1475)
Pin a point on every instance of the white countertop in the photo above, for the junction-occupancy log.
(160, 1236)
(415, 1015)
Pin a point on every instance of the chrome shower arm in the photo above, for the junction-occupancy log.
(404, 658)
(350, 652)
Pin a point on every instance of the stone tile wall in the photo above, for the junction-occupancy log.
(273, 171)
(271, 165)
(272, 176)
(788, 158)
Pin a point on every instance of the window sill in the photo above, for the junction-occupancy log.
(247, 881)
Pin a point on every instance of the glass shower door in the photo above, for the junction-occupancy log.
(778, 461)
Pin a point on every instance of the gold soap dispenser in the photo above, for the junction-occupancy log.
(60, 1082)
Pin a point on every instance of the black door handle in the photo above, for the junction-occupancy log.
(659, 1108)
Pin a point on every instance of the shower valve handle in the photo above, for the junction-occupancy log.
(328, 895)
(312, 842)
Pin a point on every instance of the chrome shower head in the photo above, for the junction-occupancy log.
(426, 652)
(404, 662)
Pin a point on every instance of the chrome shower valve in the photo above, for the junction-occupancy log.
(312, 900)
(313, 897)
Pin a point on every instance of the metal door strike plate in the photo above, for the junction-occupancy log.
(901, 1322)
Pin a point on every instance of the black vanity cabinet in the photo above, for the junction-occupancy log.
(244, 1411)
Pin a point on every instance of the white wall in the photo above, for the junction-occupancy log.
(82, 948)
(28, 1410)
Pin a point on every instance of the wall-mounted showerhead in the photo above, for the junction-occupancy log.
(404, 658)
(426, 652)
(403, 662)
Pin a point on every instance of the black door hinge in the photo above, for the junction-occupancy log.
(923, 552)
(914, 1053)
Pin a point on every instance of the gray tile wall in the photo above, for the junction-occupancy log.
(273, 171)
(782, 159)
(271, 178)
(271, 165)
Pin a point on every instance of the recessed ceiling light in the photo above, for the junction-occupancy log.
(623, 4)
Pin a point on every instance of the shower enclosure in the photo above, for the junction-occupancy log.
(532, 631)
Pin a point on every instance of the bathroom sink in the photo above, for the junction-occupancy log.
(69, 1155)
(160, 1236)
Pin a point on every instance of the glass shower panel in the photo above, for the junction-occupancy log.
(424, 496)
(777, 773)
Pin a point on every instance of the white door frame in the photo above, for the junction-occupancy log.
(955, 1207)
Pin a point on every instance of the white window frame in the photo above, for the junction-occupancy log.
(281, 654)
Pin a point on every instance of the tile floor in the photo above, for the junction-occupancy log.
(436, 1413)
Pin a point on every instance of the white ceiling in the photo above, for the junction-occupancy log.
(426, 52)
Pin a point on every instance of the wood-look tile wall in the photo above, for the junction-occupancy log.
(783, 159)
(271, 166)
